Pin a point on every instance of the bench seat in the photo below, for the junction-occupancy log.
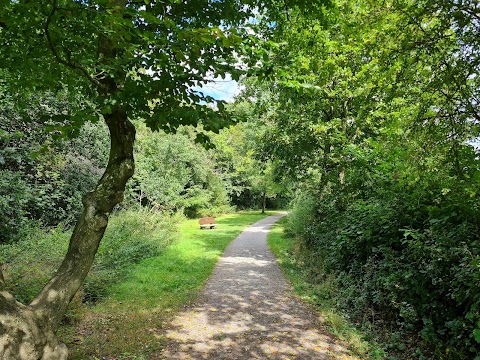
(207, 223)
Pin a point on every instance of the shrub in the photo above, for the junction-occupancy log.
(14, 198)
(130, 237)
(409, 265)
(31, 259)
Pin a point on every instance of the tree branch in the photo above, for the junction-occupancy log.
(286, 10)
(471, 12)
(66, 62)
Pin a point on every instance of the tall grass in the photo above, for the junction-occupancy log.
(31, 259)
(131, 236)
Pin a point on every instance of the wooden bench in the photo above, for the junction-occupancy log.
(207, 223)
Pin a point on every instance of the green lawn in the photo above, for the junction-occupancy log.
(319, 294)
(129, 322)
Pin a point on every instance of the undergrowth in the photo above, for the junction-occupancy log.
(405, 273)
(30, 261)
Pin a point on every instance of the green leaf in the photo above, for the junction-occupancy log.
(476, 333)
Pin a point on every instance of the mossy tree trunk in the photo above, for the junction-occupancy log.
(27, 332)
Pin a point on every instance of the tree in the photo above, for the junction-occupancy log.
(250, 177)
(174, 173)
(119, 59)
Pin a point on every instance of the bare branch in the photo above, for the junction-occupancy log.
(471, 12)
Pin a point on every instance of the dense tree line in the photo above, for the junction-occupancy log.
(42, 181)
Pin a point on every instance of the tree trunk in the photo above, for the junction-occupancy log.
(264, 202)
(27, 332)
(2, 280)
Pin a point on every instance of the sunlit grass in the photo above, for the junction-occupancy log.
(129, 322)
(320, 294)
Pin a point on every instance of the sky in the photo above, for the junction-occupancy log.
(221, 89)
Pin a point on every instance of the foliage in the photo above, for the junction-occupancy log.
(145, 58)
(175, 173)
(250, 180)
(43, 179)
(417, 266)
(14, 197)
(323, 295)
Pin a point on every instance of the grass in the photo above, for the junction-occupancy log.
(320, 294)
(31, 260)
(129, 322)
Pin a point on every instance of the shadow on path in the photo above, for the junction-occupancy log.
(246, 311)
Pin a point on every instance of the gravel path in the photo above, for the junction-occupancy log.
(247, 311)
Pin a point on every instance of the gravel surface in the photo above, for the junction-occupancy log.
(248, 311)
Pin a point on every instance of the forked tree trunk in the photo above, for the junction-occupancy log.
(28, 332)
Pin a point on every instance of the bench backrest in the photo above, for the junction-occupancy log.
(206, 220)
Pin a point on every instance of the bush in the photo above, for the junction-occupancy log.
(31, 259)
(14, 198)
(130, 237)
(174, 173)
(412, 266)
(44, 180)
